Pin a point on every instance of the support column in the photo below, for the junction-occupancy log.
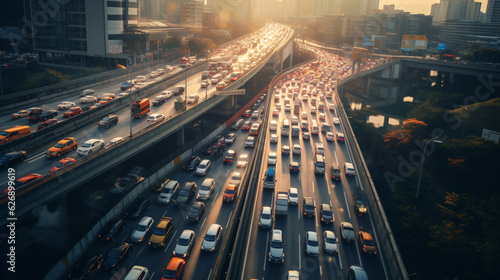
(180, 137)
(291, 57)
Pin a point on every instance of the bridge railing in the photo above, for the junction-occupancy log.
(386, 242)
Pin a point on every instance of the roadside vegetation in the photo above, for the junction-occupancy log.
(454, 231)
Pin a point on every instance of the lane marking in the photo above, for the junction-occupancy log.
(170, 242)
(320, 270)
(347, 205)
(359, 255)
(300, 257)
(340, 260)
(164, 213)
(229, 218)
(204, 220)
(265, 253)
(312, 184)
(209, 274)
(298, 212)
(214, 199)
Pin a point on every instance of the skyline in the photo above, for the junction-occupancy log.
(420, 6)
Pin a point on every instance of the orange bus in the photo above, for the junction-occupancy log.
(140, 108)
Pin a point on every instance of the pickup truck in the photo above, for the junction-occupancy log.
(282, 203)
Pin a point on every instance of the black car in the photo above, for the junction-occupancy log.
(178, 90)
(195, 212)
(91, 266)
(192, 164)
(108, 121)
(335, 170)
(11, 158)
(294, 167)
(186, 194)
(46, 123)
(35, 113)
(326, 214)
(111, 231)
(45, 115)
(117, 254)
(359, 201)
(138, 209)
(309, 207)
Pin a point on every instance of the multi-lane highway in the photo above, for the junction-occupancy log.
(321, 188)
(37, 161)
(199, 264)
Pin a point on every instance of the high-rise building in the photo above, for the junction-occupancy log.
(192, 13)
(493, 11)
(150, 9)
(467, 10)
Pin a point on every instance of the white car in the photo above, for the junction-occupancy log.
(65, 105)
(349, 169)
(266, 217)
(206, 189)
(235, 178)
(313, 110)
(212, 238)
(140, 78)
(304, 115)
(193, 98)
(274, 138)
(167, 94)
(184, 244)
(138, 272)
(255, 114)
(293, 275)
(168, 192)
(242, 160)
(87, 92)
(155, 118)
(160, 99)
(330, 242)
(312, 244)
(160, 71)
(90, 146)
(88, 99)
(295, 120)
(142, 229)
(336, 121)
(272, 159)
(296, 149)
(116, 140)
(202, 168)
(288, 108)
(293, 196)
(276, 247)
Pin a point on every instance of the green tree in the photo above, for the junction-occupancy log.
(199, 45)
(47, 77)
(173, 42)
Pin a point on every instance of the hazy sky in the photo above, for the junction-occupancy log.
(419, 6)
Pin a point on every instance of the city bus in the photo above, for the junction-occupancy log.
(140, 108)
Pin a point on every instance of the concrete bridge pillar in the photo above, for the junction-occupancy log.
(180, 137)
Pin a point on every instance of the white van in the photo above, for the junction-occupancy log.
(285, 128)
(314, 127)
(319, 149)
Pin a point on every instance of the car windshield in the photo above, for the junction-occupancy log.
(169, 274)
(369, 243)
(58, 145)
(210, 237)
(330, 240)
(266, 216)
(229, 191)
(183, 241)
(106, 119)
(276, 244)
(194, 209)
(168, 190)
(205, 187)
(360, 201)
(115, 253)
(294, 195)
(141, 228)
(320, 164)
(86, 145)
(160, 231)
(312, 242)
(184, 192)
(59, 165)
(202, 166)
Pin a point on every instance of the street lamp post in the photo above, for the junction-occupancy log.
(422, 167)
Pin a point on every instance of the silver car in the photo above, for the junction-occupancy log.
(184, 244)
(206, 189)
(212, 238)
(142, 229)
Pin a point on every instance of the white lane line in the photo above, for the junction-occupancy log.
(340, 260)
(227, 173)
(336, 159)
(209, 274)
(312, 185)
(320, 271)
(359, 255)
(204, 220)
(328, 190)
(300, 256)
(192, 173)
(347, 205)
(152, 275)
(1, 184)
(170, 241)
(229, 218)
(214, 199)
(164, 213)
(265, 254)
(379, 251)
(298, 212)
(36, 158)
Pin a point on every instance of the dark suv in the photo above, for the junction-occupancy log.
(112, 230)
(186, 194)
(138, 209)
(335, 171)
(108, 121)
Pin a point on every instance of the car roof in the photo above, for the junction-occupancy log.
(312, 235)
(277, 235)
(266, 210)
(366, 235)
(213, 229)
(145, 220)
(205, 161)
(186, 234)
(174, 263)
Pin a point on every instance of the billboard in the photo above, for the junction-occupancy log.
(359, 54)
(441, 46)
(413, 42)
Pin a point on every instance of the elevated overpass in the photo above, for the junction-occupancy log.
(53, 186)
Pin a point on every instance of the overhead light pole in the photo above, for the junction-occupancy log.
(433, 140)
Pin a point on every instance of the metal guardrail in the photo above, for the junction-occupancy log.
(386, 241)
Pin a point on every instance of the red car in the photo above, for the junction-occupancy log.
(230, 193)
(72, 112)
(247, 113)
(174, 269)
(24, 180)
(62, 163)
(46, 123)
(340, 137)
